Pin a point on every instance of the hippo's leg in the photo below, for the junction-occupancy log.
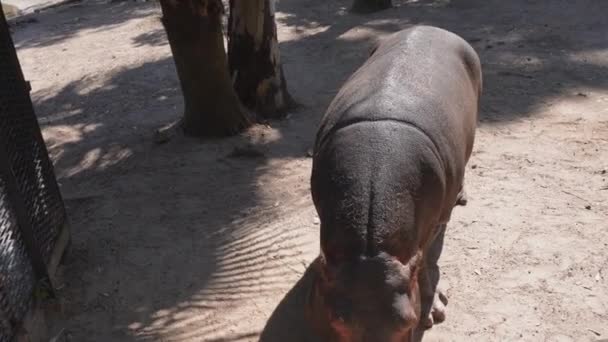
(433, 300)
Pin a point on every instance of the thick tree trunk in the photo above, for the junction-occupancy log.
(367, 6)
(194, 30)
(254, 58)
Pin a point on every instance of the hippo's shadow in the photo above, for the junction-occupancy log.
(288, 320)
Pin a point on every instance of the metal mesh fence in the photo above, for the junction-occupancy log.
(31, 208)
(16, 274)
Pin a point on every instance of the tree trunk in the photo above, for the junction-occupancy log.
(254, 58)
(368, 6)
(194, 30)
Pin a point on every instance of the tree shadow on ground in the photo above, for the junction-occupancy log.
(527, 55)
(154, 38)
(165, 234)
(78, 17)
(161, 230)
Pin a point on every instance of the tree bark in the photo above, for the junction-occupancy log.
(194, 30)
(368, 6)
(254, 58)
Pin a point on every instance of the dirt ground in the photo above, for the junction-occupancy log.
(186, 241)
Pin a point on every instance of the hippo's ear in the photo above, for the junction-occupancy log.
(414, 265)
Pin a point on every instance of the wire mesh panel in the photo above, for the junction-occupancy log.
(16, 274)
(26, 152)
(32, 215)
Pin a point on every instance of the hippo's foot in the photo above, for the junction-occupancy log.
(437, 314)
(462, 198)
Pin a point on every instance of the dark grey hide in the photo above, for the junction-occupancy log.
(388, 168)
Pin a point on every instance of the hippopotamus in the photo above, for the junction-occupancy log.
(388, 168)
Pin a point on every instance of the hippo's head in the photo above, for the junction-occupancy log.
(368, 299)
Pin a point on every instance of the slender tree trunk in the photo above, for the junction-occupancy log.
(367, 6)
(194, 30)
(254, 58)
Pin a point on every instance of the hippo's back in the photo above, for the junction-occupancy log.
(423, 76)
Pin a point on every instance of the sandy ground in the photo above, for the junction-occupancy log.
(184, 242)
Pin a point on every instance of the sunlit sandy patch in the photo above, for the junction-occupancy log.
(373, 30)
(98, 159)
(57, 136)
(257, 264)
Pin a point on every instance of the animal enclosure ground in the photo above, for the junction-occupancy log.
(197, 240)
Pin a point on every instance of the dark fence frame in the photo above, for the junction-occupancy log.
(34, 218)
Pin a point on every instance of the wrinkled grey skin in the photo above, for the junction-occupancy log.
(388, 168)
